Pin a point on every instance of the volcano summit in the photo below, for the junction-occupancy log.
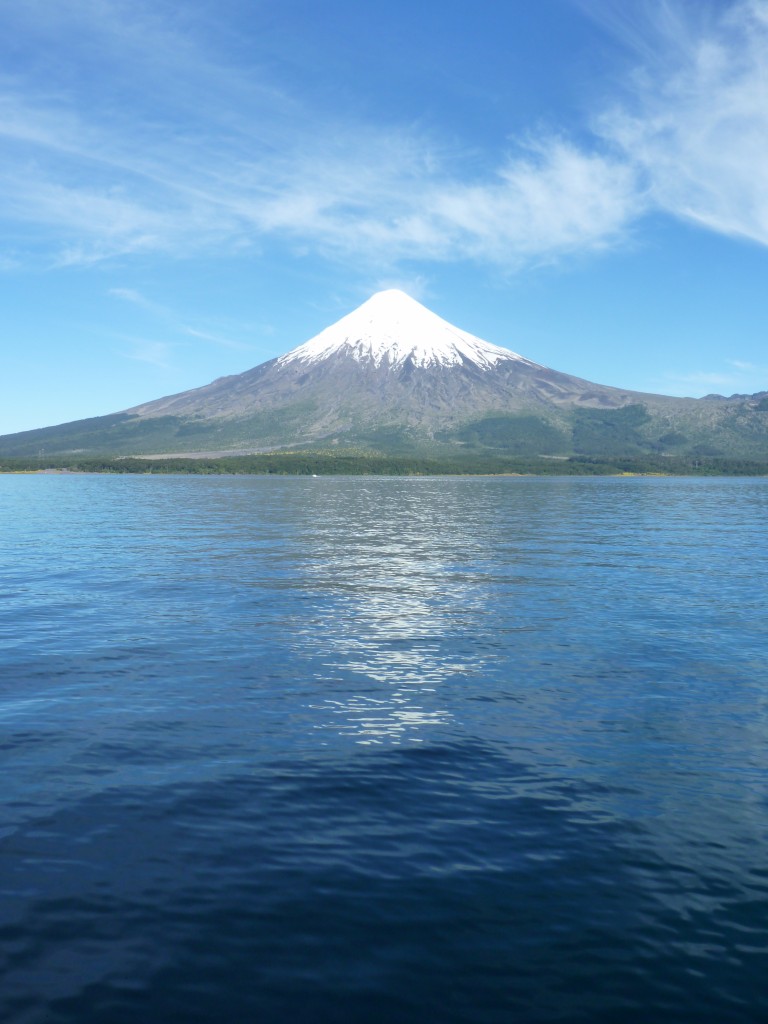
(392, 329)
(394, 376)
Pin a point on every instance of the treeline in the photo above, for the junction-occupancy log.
(324, 464)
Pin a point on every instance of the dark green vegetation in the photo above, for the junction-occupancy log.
(518, 435)
(728, 430)
(308, 463)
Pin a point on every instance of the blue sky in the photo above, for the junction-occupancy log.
(189, 189)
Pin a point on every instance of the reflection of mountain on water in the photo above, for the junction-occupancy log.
(401, 606)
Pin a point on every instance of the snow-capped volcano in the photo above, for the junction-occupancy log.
(391, 329)
(392, 373)
(391, 361)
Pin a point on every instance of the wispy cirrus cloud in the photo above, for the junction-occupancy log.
(734, 376)
(137, 299)
(147, 350)
(185, 154)
(171, 319)
(694, 118)
(381, 194)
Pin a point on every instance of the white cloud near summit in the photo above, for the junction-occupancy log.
(221, 161)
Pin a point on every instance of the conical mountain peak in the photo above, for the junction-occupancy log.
(390, 329)
(391, 374)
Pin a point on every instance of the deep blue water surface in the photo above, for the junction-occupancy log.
(383, 750)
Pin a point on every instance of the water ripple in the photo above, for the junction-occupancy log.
(340, 749)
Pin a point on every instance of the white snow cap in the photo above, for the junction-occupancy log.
(391, 328)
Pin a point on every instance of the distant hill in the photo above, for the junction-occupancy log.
(393, 377)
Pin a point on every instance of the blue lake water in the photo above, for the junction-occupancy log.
(357, 749)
